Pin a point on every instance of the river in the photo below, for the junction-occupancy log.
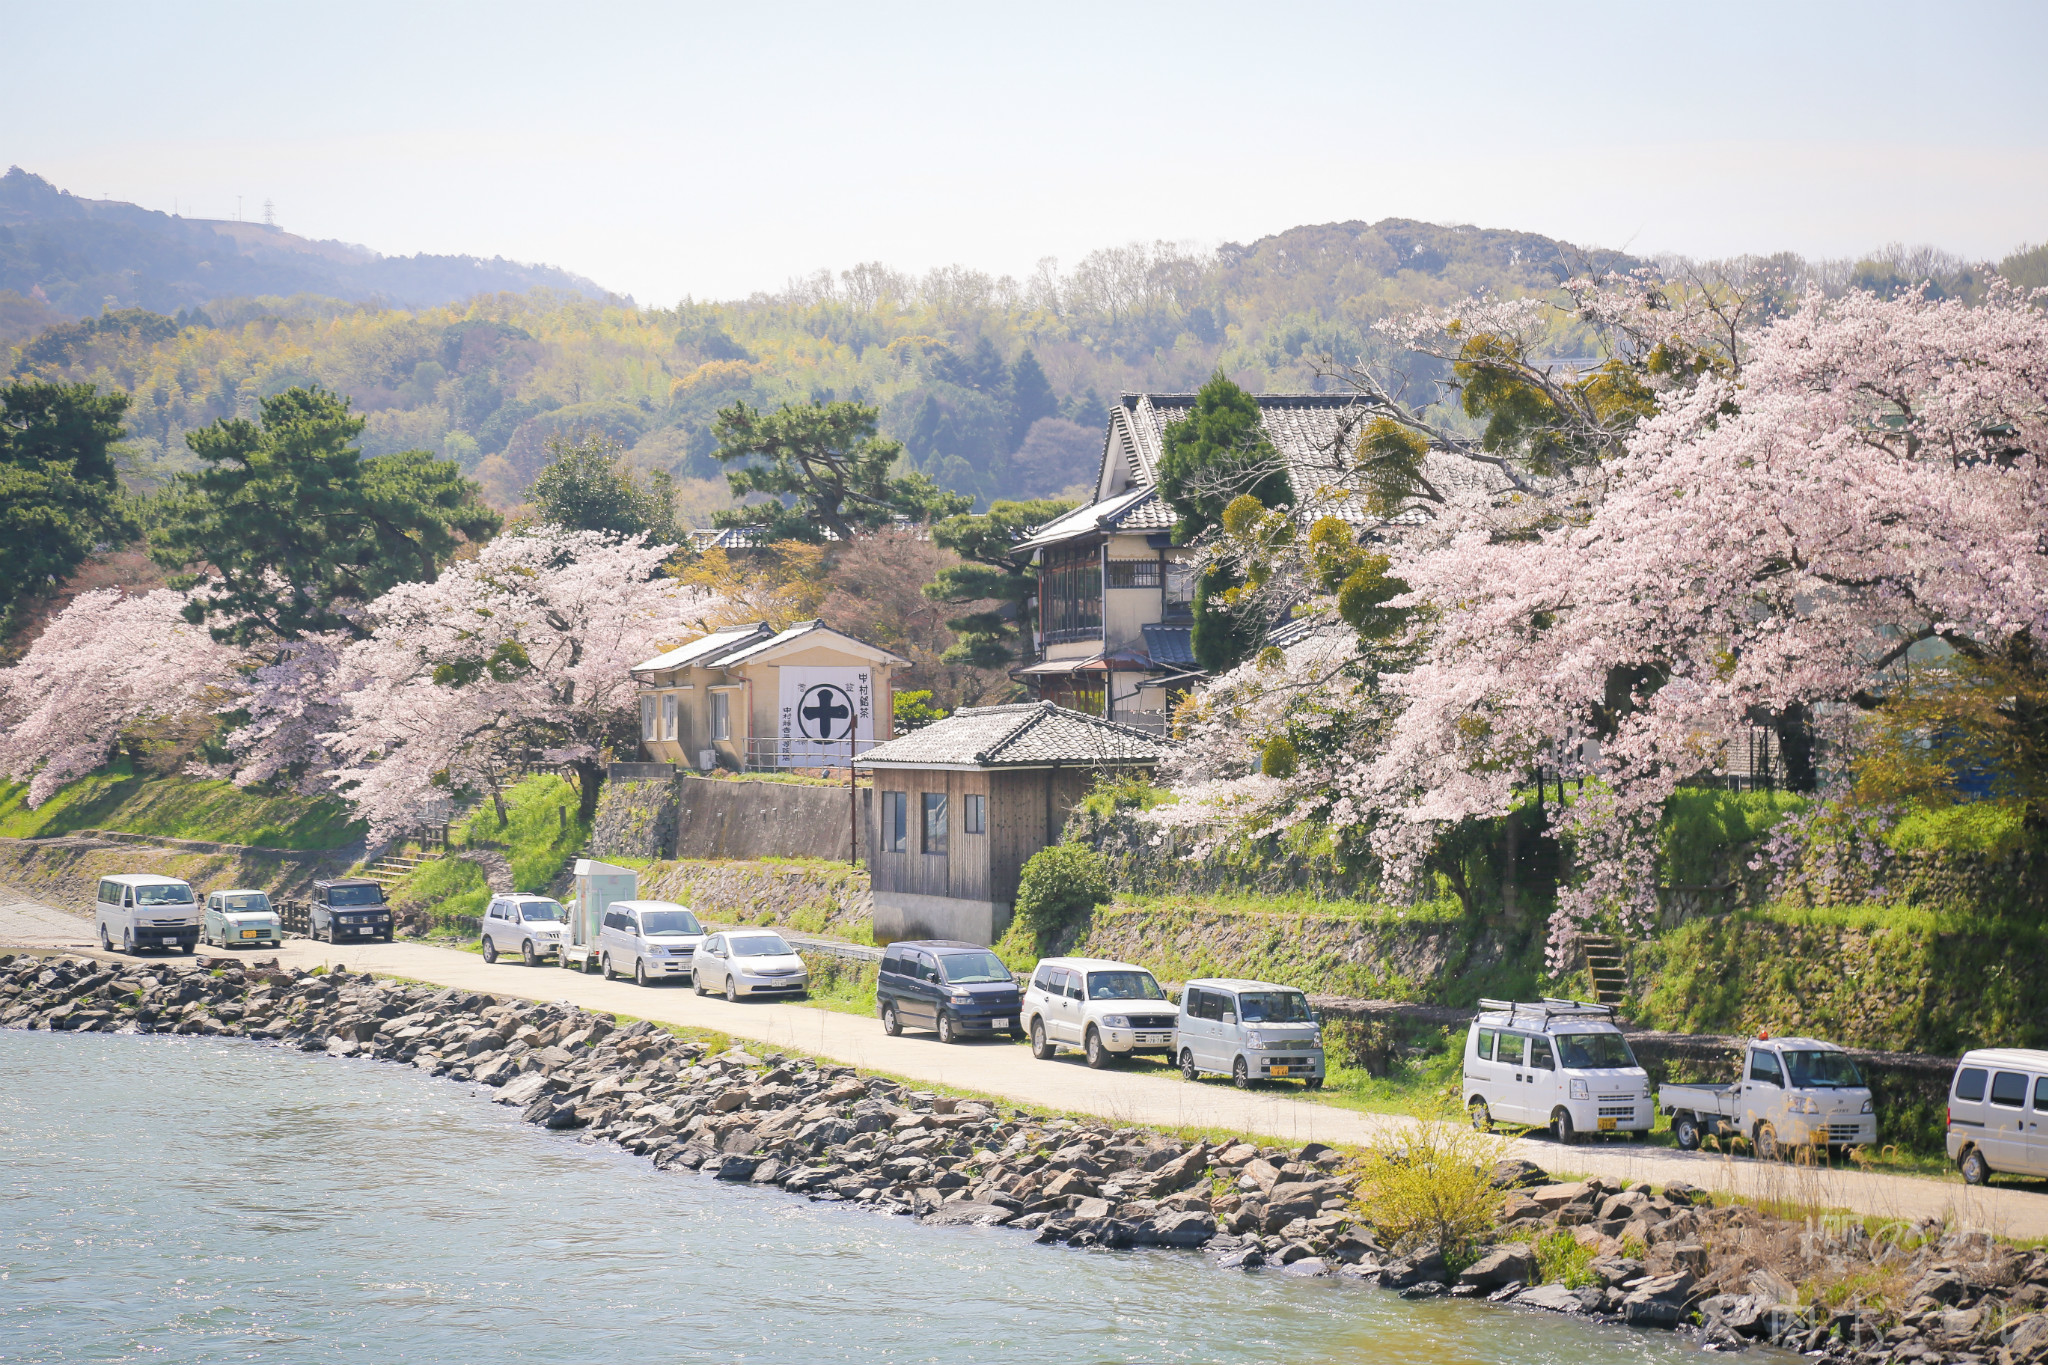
(191, 1199)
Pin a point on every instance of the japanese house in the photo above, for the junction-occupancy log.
(957, 807)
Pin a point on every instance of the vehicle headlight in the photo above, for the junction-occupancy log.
(1116, 1020)
(1810, 1106)
(1870, 1106)
(1255, 1044)
(1578, 1090)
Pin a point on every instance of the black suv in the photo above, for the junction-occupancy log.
(349, 910)
(957, 988)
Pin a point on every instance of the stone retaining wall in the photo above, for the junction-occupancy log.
(702, 817)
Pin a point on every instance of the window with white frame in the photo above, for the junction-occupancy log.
(647, 719)
(973, 814)
(895, 821)
(721, 715)
(934, 822)
(669, 705)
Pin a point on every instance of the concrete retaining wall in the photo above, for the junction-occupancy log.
(701, 817)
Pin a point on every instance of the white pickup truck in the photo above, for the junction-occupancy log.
(1793, 1092)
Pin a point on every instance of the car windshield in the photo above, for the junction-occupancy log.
(1592, 1051)
(540, 910)
(760, 945)
(1823, 1071)
(175, 893)
(1123, 986)
(254, 901)
(354, 895)
(1274, 1007)
(973, 969)
(670, 922)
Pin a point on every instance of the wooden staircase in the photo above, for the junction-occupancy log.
(1604, 967)
(392, 866)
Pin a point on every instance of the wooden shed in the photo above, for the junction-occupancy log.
(957, 807)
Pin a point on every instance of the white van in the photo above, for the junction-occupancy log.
(647, 940)
(1556, 1064)
(1248, 1031)
(139, 910)
(1107, 1009)
(1998, 1113)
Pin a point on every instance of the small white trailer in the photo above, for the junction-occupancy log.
(596, 888)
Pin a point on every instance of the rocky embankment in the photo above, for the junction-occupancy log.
(1666, 1259)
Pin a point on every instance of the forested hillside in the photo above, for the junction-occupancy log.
(67, 257)
(995, 387)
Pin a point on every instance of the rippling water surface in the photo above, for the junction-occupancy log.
(187, 1199)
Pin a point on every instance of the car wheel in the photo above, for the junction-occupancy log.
(1561, 1127)
(106, 944)
(1482, 1117)
(528, 955)
(1314, 1083)
(1240, 1074)
(1099, 1057)
(732, 992)
(127, 942)
(696, 982)
(891, 1025)
(1041, 1046)
(1975, 1169)
(639, 972)
(1685, 1130)
(948, 1031)
(604, 966)
(490, 951)
(1767, 1142)
(1187, 1065)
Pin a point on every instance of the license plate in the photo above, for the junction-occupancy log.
(252, 933)
(1280, 1071)
(1606, 1125)
(1006, 1023)
(366, 931)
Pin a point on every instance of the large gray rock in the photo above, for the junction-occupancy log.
(1554, 1298)
(738, 1167)
(1503, 1265)
(967, 1213)
(1417, 1267)
(1189, 1229)
(1658, 1302)
(523, 1091)
(1182, 1171)
(2027, 1340)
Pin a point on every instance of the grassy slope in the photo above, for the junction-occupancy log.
(539, 835)
(178, 808)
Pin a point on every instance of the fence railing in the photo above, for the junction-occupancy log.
(793, 755)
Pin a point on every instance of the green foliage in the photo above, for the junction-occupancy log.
(453, 889)
(58, 492)
(1562, 1259)
(1987, 830)
(1279, 757)
(1060, 886)
(1389, 457)
(1431, 1184)
(993, 571)
(118, 798)
(825, 469)
(1704, 826)
(292, 499)
(540, 832)
(1124, 791)
(588, 486)
(1357, 576)
(914, 711)
(1216, 454)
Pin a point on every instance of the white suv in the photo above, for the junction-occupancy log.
(1107, 1009)
(647, 940)
(532, 926)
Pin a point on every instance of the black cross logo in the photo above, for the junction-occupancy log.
(821, 710)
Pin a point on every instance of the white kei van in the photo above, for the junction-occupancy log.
(1556, 1064)
(1998, 1113)
(1249, 1031)
(140, 910)
(648, 940)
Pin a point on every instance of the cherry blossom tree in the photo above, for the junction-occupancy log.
(1869, 486)
(515, 657)
(104, 665)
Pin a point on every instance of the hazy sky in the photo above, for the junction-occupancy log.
(672, 149)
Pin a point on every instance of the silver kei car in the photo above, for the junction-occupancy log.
(240, 919)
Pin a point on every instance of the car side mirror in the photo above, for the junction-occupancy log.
(1229, 1018)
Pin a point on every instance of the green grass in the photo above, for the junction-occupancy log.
(1977, 829)
(1702, 824)
(451, 887)
(1440, 910)
(540, 831)
(174, 807)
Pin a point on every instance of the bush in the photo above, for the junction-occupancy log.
(1059, 886)
(1432, 1185)
(1563, 1259)
(914, 711)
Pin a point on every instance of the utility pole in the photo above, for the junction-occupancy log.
(238, 208)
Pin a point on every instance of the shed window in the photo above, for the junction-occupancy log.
(974, 814)
(668, 715)
(895, 821)
(721, 715)
(647, 721)
(934, 822)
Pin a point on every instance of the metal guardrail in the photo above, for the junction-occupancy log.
(787, 755)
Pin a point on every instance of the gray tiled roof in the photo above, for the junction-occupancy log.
(1170, 644)
(1023, 736)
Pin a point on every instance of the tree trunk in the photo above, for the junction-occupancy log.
(498, 804)
(589, 781)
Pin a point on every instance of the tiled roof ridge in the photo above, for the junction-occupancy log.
(1048, 711)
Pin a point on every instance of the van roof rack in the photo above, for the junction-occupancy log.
(1551, 1008)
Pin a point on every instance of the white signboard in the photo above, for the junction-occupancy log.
(821, 709)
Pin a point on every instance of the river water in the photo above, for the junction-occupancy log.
(190, 1199)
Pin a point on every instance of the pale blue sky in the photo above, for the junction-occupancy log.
(680, 149)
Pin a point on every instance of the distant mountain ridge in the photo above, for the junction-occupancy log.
(76, 254)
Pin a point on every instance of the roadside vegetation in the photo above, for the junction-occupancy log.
(120, 797)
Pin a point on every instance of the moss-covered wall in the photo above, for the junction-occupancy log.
(803, 895)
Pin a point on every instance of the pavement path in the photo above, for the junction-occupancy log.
(1160, 1100)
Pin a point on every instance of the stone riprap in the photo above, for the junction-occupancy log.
(824, 1131)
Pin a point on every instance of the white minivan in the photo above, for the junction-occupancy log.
(1998, 1113)
(140, 910)
(1107, 1009)
(1249, 1031)
(647, 940)
(1556, 1064)
(532, 926)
